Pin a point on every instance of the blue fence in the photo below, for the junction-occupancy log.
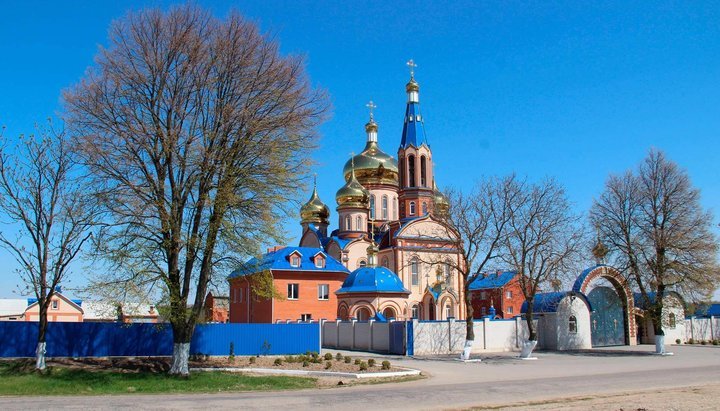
(19, 339)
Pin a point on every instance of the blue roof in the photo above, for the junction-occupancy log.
(341, 241)
(33, 300)
(581, 278)
(413, 133)
(548, 302)
(493, 280)
(280, 260)
(372, 280)
(708, 310)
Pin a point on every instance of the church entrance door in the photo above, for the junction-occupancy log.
(607, 318)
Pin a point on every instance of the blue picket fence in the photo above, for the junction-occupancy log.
(19, 339)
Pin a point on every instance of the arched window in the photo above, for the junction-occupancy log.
(412, 208)
(411, 171)
(362, 263)
(448, 311)
(671, 320)
(422, 172)
(414, 271)
(363, 314)
(348, 223)
(358, 223)
(424, 208)
(372, 207)
(385, 262)
(343, 313)
(389, 313)
(395, 215)
(572, 325)
(384, 207)
(415, 311)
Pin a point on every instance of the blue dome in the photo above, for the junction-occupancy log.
(372, 280)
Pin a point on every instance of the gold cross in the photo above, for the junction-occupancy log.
(412, 66)
(370, 105)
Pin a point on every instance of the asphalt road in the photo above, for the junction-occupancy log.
(499, 380)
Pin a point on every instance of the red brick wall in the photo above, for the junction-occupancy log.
(499, 299)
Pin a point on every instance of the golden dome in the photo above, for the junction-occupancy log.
(314, 211)
(371, 126)
(412, 85)
(353, 194)
(441, 203)
(373, 166)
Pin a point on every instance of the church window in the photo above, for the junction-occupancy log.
(411, 171)
(415, 311)
(389, 313)
(372, 207)
(671, 320)
(362, 263)
(412, 208)
(510, 310)
(572, 325)
(410, 117)
(424, 208)
(358, 223)
(293, 291)
(448, 311)
(323, 292)
(395, 208)
(385, 262)
(239, 295)
(384, 207)
(348, 223)
(423, 171)
(418, 117)
(414, 272)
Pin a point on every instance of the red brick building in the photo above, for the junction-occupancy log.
(217, 308)
(498, 290)
(305, 277)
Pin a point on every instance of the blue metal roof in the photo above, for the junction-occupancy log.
(708, 310)
(581, 278)
(413, 133)
(548, 302)
(493, 280)
(372, 280)
(341, 241)
(33, 300)
(280, 260)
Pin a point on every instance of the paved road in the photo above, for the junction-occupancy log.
(499, 379)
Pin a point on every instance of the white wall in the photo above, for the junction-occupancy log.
(582, 338)
(702, 329)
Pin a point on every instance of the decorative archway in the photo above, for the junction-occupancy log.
(620, 286)
(389, 313)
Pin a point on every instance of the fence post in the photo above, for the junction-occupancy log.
(451, 328)
(337, 333)
(518, 329)
(371, 325)
(352, 344)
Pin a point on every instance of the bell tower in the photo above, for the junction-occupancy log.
(415, 157)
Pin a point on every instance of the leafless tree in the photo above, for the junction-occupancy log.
(197, 132)
(658, 234)
(542, 241)
(43, 197)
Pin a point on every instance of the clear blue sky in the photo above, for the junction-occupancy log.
(572, 90)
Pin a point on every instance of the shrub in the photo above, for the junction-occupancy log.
(231, 354)
(328, 357)
(317, 360)
(314, 354)
(357, 361)
(306, 363)
(338, 357)
(716, 342)
(348, 360)
(252, 360)
(678, 341)
(277, 362)
(328, 365)
(363, 366)
(371, 362)
(691, 341)
(386, 365)
(703, 342)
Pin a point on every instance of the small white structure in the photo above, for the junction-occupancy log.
(563, 320)
(673, 319)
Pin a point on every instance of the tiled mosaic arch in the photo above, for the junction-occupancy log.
(587, 277)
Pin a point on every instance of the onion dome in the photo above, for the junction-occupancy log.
(441, 203)
(353, 194)
(314, 211)
(373, 280)
(412, 86)
(372, 165)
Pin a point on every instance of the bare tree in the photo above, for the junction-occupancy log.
(658, 234)
(197, 132)
(542, 242)
(42, 196)
(477, 220)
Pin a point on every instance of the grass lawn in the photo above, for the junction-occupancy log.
(15, 380)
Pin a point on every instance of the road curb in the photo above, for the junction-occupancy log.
(404, 373)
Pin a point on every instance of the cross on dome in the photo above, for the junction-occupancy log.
(412, 66)
(371, 106)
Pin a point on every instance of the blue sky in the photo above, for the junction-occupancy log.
(572, 90)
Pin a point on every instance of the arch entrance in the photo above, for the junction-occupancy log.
(612, 319)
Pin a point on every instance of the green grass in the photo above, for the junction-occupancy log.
(63, 381)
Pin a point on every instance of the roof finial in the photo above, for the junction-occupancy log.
(600, 250)
(412, 66)
(371, 106)
(314, 181)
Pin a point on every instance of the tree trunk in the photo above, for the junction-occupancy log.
(529, 345)
(469, 326)
(181, 350)
(41, 349)
(657, 319)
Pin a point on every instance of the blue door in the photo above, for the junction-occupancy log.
(607, 320)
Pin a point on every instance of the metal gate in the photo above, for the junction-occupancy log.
(397, 337)
(607, 319)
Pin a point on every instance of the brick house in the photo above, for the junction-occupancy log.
(500, 290)
(306, 278)
(217, 308)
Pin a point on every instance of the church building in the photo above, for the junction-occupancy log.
(391, 235)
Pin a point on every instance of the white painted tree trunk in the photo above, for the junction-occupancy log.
(466, 350)
(660, 344)
(40, 356)
(181, 355)
(527, 348)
